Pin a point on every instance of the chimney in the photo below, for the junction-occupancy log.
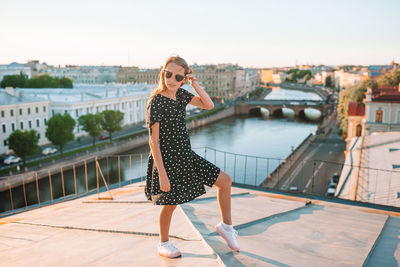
(368, 94)
(10, 90)
(20, 95)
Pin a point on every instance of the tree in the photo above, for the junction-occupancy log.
(66, 82)
(390, 79)
(14, 80)
(60, 130)
(112, 121)
(328, 81)
(91, 123)
(24, 143)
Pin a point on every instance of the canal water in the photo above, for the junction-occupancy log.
(227, 141)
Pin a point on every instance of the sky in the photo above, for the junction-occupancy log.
(251, 33)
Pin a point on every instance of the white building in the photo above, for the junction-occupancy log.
(251, 80)
(21, 112)
(382, 110)
(87, 74)
(14, 69)
(131, 99)
(345, 79)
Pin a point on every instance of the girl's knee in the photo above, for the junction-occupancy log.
(224, 180)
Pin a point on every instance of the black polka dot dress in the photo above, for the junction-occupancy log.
(187, 172)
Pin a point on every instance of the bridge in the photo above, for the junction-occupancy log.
(275, 107)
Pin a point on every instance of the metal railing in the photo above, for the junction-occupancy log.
(97, 175)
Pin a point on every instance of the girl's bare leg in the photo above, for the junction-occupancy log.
(165, 221)
(224, 184)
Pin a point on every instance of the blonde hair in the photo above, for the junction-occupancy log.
(161, 81)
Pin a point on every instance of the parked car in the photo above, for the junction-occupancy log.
(293, 188)
(335, 178)
(331, 190)
(12, 159)
(104, 137)
(49, 150)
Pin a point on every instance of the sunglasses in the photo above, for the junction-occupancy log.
(178, 77)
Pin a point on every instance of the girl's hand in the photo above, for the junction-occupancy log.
(190, 76)
(164, 183)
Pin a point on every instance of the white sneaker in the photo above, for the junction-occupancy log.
(229, 236)
(168, 250)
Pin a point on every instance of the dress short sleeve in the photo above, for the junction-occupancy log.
(154, 113)
(186, 96)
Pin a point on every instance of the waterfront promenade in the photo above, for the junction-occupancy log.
(274, 230)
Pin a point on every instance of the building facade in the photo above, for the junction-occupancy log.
(21, 112)
(382, 109)
(136, 75)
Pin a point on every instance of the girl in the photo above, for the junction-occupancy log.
(175, 173)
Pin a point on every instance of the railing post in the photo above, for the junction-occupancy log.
(234, 169)
(23, 186)
(141, 167)
(11, 198)
(51, 187)
(62, 180)
(87, 189)
(76, 190)
(108, 172)
(97, 176)
(245, 168)
(224, 161)
(312, 178)
(255, 182)
(130, 169)
(37, 189)
(119, 171)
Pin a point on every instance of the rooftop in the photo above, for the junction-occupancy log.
(274, 230)
(355, 109)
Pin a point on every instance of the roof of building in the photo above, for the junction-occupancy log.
(380, 182)
(274, 230)
(88, 92)
(355, 109)
(7, 99)
(386, 94)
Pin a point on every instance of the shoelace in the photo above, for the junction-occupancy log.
(171, 247)
(234, 232)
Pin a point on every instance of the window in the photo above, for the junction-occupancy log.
(65, 111)
(11, 112)
(4, 128)
(20, 111)
(358, 130)
(5, 143)
(378, 116)
(29, 111)
(30, 124)
(12, 126)
(44, 108)
(45, 121)
(37, 109)
(2, 113)
(38, 135)
(76, 113)
(38, 123)
(22, 125)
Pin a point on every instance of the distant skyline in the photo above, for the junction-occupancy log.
(248, 33)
